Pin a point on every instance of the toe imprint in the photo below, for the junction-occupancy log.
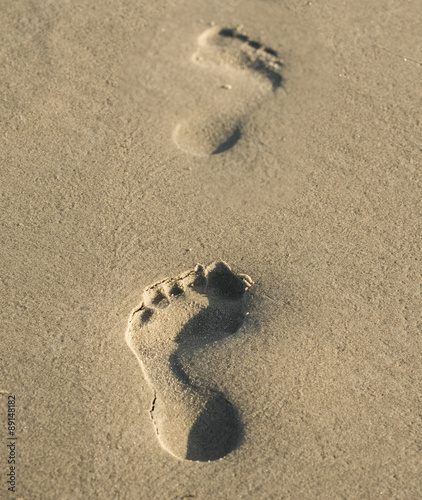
(231, 47)
(178, 315)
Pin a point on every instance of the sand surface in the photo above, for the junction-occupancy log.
(108, 186)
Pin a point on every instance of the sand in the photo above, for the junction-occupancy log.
(127, 159)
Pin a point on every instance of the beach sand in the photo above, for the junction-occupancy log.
(140, 139)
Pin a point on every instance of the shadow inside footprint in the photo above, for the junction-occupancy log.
(216, 432)
(208, 326)
(229, 143)
(218, 428)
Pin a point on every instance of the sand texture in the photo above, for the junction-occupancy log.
(211, 266)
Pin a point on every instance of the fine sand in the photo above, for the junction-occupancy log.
(211, 266)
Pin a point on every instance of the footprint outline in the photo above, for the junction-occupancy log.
(205, 426)
(225, 49)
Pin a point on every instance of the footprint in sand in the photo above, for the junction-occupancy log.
(177, 316)
(253, 69)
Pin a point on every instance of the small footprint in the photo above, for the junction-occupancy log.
(177, 316)
(253, 69)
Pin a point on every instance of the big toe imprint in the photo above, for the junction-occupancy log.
(176, 316)
(253, 70)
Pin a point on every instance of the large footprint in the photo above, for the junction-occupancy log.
(254, 71)
(176, 316)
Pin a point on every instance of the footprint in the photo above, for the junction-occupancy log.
(177, 316)
(253, 70)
